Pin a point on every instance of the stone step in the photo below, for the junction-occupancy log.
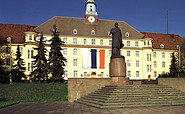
(99, 103)
(143, 105)
(134, 100)
(137, 91)
(133, 96)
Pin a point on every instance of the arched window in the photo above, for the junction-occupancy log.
(92, 32)
(162, 46)
(127, 34)
(74, 31)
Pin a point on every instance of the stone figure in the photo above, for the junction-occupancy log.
(116, 41)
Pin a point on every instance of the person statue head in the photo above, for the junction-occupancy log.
(116, 24)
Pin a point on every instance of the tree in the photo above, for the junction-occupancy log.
(174, 70)
(56, 59)
(40, 62)
(4, 78)
(19, 69)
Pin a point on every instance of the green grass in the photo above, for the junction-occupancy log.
(35, 92)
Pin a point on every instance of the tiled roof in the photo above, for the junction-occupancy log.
(15, 31)
(66, 25)
(170, 41)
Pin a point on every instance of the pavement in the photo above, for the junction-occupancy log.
(61, 107)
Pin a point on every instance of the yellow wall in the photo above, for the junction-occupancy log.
(143, 51)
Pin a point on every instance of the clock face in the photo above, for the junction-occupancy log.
(91, 19)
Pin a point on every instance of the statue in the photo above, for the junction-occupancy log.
(116, 41)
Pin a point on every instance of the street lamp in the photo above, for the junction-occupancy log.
(9, 39)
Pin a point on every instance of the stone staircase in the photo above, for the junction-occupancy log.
(117, 96)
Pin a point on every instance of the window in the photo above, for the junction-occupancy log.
(129, 73)
(32, 54)
(102, 74)
(155, 74)
(93, 41)
(155, 55)
(137, 63)
(137, 53)
(110, 42)
(171, 55)
(136, 44)
(75, 74)
(92, 32)
(85, 41)
(144, 42)
(148, 42)
(65, 74)
(128, 63)
(28, 54)
(65, 63)
(21, 50)
(128, 43)
(147, 57)
(155, 64)
(101, 42)
(75, 62)
(85, 74)
(75, 52)
(8, 50)
(30, 37)
(32, 66)
(148, 68)
(45, 39)
(28, 66)
(65, 51)
(109, 34)
(74, 41)
(65, 40)
(74, 31)
(110, 52)
(8, 61)
(163, 54)
(137, 74)
(162, 46)
(150, 57)
(127, 34)
(128, 53)
(163, 64)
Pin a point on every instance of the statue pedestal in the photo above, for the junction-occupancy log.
(117, 70)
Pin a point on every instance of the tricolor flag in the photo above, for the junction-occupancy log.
(97, 58)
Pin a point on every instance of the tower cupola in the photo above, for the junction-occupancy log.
(91, 13)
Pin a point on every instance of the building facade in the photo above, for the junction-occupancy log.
(88, 46)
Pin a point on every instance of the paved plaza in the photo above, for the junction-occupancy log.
(75, 108)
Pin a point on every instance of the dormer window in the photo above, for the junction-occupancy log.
(74, 31)
(30, 37)
(162, 46)
(127, 34)
(92, 32)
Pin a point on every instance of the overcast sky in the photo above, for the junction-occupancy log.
(143, 15)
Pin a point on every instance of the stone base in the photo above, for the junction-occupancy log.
(120, 81)
(117, 67)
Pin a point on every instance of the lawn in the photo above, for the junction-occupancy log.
(34, 92)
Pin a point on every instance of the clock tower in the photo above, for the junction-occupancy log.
(90, 13)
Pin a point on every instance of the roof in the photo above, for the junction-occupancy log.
(66, 25)
(15, 31)
(170, 41)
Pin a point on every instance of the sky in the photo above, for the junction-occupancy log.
(143, 15)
